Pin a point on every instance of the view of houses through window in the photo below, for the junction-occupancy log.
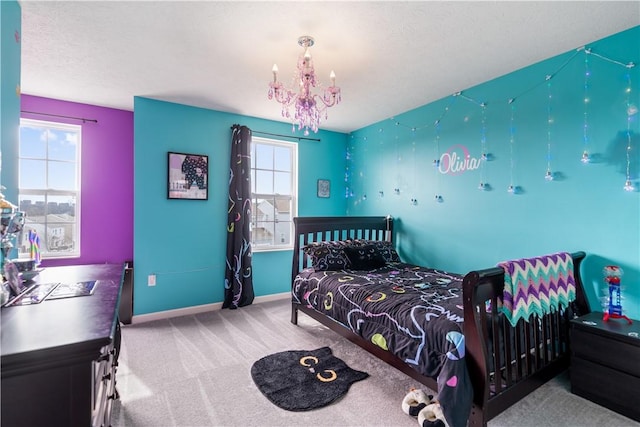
(49, 186)
(274, 193)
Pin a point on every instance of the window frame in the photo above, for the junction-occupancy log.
(49, 192)
(293, 147)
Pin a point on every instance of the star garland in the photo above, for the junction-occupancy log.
(512, 142)
(485, 156)
(549, 175)
(585, 127)
(631, 111)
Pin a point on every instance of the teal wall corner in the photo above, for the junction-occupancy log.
(10, 51)
(183, 242)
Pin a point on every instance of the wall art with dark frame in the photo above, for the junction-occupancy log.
(188, 176)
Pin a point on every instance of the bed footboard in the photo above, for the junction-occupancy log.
(505, 362)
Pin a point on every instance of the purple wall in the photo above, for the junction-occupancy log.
(107, 178)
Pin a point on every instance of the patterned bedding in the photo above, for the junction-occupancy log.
(414, 312)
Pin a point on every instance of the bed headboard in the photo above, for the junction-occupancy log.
(323, 229)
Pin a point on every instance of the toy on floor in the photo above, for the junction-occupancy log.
(415, 401)
(612, 275)
(432, 416)
(419, 404)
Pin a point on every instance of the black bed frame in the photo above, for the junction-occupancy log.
(538, 351)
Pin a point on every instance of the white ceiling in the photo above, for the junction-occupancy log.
(389, 57)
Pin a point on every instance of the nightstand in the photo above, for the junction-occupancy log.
(605, 362)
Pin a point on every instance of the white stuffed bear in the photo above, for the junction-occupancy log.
(415, 401)
(432, 416)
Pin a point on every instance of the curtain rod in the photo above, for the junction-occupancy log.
(299, 138)
(58, 115)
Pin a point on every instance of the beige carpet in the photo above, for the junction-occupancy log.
(195, 371)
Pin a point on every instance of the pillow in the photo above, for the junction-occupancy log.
(327, 256)
(364, 257)
(384, 247)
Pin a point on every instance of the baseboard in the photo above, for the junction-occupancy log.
(142, 318)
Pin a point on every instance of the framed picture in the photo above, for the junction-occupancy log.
(324, 188)
(188, 176)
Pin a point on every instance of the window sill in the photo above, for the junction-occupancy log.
(270, 249)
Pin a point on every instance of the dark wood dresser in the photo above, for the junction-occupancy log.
(605, 362)
(58, 356)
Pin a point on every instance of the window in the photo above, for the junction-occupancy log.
(274, 194)
(49, 186)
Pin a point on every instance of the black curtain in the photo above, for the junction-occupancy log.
(238, 280)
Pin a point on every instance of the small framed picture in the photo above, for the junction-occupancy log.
(324, 188)
(188, 176)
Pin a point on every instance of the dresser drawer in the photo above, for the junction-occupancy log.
(605, 386)
(606, 350)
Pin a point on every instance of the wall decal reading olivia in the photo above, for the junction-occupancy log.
(457, 160)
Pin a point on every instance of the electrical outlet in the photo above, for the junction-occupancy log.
(151, 280)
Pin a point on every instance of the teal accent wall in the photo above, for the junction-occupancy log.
(11, 30)
(584, 208)
(183, 242)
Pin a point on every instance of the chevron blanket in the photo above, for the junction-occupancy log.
(537, 286)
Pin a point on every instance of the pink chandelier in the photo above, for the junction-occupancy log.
(310, 108)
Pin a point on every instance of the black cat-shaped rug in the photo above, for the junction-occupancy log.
(305, 379)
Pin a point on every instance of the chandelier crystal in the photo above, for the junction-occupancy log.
(309, 108)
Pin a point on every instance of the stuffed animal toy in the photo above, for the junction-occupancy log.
(432, 416)
(415, 401)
